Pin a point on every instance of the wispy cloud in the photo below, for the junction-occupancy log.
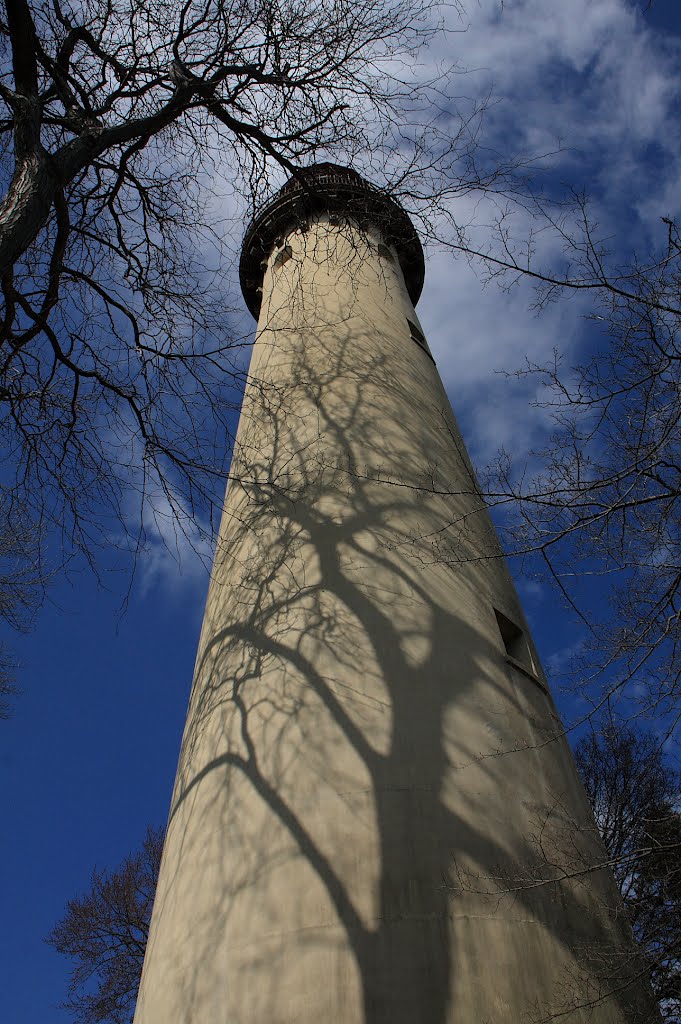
(175, 556)
(591, 82)
(587, 80)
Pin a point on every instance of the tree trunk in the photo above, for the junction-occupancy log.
(26, 207)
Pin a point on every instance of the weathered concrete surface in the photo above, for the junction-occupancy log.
(374, 809)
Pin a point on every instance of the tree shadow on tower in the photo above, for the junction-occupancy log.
(358, 752)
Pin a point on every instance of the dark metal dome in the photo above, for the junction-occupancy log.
(328, 188)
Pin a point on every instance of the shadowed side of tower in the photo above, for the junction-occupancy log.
(376, 818)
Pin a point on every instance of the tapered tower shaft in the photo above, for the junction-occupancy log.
(376, 818)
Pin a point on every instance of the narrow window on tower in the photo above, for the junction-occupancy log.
(515, 644)
(417, 335)
(282, 257)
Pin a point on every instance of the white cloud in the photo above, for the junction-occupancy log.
(171, 546)
(475, 334)
(590, 77)
(176, 556)
(593, 77)
(589, 74)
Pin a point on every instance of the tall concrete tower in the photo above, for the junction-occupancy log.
(376, 819)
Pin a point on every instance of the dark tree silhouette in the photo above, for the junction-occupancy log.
(604, 504)
(105, 933)
(22, 580)
(126, 127)
(634, 792)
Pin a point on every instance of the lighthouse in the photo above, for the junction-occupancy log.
(376, 817)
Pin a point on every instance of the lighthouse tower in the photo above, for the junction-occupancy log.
(376, 817)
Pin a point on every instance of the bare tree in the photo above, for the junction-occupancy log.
(7, 687)
(634, 792)
(105, 933)
(602, 511)
(22, 581)
(122, 122)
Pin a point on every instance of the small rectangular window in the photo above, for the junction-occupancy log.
(282, 257)
(417, 335)
(515, 643)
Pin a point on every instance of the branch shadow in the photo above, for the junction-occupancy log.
(354, 832)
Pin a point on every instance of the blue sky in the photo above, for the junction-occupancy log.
(89, 757)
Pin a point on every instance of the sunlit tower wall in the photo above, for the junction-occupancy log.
(376, 816)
